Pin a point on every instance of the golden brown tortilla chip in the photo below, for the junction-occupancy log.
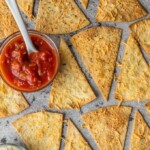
(41, 130)
(11, 101)
(98, 47)
(7, 23)
(70, 88)
(133, 82)
(84, 3)
(74, 139)
(147, 106)
(57, 17)
(108, 126)
(119, 10)
(27, 7)
(141, 31)
(141, 134)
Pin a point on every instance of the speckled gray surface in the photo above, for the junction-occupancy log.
(39, 100)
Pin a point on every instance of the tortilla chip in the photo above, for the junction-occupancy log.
(27, 7)
(133, 82)
(98, 47)
(108, 126)
(74, 140)
(141, 31)
(11, 101)
(7, 23)
(119, 10)
(57, 17)
(147, 106)
(70, 88)
(140, 139)
(41, 130)
(84, 3)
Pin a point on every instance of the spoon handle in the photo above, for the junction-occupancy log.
(12, 4)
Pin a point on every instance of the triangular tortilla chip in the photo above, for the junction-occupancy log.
(27, 7)
(7, 23)
(84, 3)
(141, 31)
(41, 130)
(108, 126)
(11, 101)
(147, 106)
(141, 134)
(133, 82)
(119, 10)
(70, 88)
(74, 139)
(57, 17)
(98, 47)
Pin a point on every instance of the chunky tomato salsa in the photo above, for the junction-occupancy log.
(28, 72)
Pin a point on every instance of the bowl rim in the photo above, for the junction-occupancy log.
(46, 38)
(14, 145)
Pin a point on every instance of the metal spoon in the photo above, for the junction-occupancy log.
(13, 6)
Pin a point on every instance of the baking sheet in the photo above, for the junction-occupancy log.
(39, 100)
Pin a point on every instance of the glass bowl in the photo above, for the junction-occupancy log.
(44, 37)
(10, 146)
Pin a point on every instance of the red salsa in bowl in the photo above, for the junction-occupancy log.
(28, 72)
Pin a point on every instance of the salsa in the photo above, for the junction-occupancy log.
(28, 72)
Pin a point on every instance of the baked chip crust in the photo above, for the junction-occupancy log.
(70, 88)
(141, 31)
(133, 82)
(119, 10)
(108, 126)
(84, 3)
(140, 139)
(41, 130)
(27, 7)
(59, 17)
(7, 22)
(98, 48)
(11, 101)
(147, 106)
(75, 140)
